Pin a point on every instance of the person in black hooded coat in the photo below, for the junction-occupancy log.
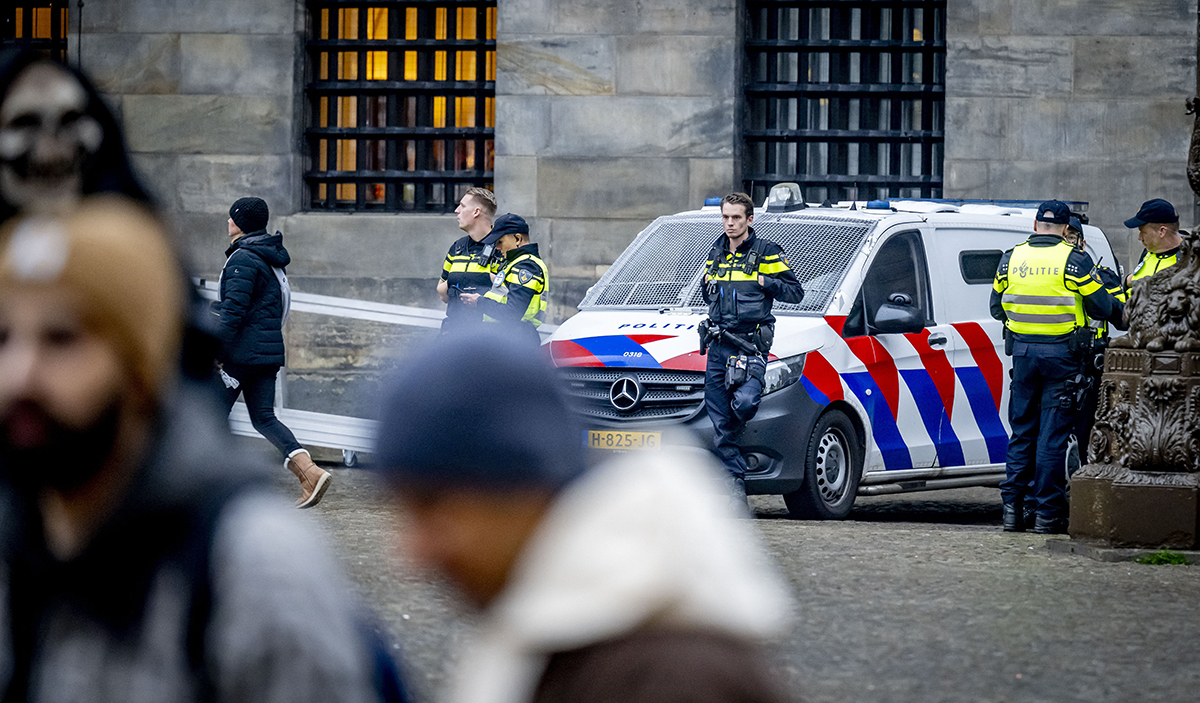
(250, 310)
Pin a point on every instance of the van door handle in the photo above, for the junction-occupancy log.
(938, 340)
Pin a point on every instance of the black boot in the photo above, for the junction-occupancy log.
(1014, 517)
(1050, 525)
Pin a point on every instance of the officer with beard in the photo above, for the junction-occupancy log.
(142, 559)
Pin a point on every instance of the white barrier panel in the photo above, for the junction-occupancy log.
(350, 434)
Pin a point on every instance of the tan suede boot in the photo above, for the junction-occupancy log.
(314, 480)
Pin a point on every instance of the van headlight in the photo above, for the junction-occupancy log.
(782, 373)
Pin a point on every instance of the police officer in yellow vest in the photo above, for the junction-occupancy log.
(1158, 230)
(1094, 366)
(470, 263)
(519, 292)
(1045, 291)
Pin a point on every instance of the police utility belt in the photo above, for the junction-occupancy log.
(752, 362)
(1082, 342)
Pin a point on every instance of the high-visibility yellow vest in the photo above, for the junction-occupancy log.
(535, 314)
(1152, 264)
(1037, 300)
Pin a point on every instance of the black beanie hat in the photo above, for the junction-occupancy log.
(482, 410)
(249, 214)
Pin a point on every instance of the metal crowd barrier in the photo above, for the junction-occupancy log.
(349, 434)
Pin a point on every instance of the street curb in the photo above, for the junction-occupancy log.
(1100, 551)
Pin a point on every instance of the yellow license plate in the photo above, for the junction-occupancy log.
(606, 439)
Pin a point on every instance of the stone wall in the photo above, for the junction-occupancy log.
(608, 114)
(1074, 100)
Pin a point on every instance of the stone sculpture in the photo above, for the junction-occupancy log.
(1140, 485)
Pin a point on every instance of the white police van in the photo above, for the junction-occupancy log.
(889, 376)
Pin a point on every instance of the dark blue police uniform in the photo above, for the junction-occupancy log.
(737, 303)
(1045, 290)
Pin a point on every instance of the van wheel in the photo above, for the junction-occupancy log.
(831, 471)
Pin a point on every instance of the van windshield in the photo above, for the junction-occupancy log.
(663, 267)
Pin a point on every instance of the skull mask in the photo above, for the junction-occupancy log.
(46, 137)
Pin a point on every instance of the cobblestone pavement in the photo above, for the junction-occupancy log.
(915, 598)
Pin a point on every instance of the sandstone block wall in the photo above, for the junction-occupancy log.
(1074, 100)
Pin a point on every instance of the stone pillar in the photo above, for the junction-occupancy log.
(1141, 487)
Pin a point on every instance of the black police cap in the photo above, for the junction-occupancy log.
(1153, 211)
(1055, 212)
(507, 223)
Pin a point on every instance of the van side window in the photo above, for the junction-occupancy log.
(899, 267)
(979, 266)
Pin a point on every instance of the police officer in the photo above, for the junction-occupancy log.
(470, 263)
(1158, 230)
(1045, 291)
(743, 276)
(1094, 367)
(519, 292)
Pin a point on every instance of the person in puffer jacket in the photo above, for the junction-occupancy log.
(250, 312)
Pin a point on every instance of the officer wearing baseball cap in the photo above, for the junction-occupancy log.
(1157, 224)
(1045, 291)
(519, 292)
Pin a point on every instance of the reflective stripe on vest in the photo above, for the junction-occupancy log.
(1037, 300)
(535, 314)
(1160, 263)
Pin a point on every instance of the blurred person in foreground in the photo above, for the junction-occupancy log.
(632, 580)
(140, 558)
(58, 141)
(252, 304)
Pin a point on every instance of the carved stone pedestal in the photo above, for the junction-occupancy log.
(1126, 508)
(1141, 487)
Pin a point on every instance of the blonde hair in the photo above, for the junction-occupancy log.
(486, 200)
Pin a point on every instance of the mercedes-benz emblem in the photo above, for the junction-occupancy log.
(625, 393)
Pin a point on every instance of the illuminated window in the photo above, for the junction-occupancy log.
(401, 103)
(845, 97)
(37, 25)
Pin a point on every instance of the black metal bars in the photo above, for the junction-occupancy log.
(36, 25)
(845, 97)
(400, 103)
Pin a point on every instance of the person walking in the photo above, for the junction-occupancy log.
(470, 263)
(631, 580)
(743, 276)
(519, 292)
(1045, 291)
(252, 305)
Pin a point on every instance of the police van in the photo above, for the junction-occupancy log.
(890, 376)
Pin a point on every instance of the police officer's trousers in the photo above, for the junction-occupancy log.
(729, 410)
(1042, 422)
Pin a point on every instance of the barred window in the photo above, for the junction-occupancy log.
(401, 103)
(845, 97)
(37, 25)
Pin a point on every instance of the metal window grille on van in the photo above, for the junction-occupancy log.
(664, 267)
(401, 103)
(36, 25)
(845, 97)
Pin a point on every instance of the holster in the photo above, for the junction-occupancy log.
(737, 371)
(1081, 342)
(763, 337)
(1008, 341)
(705, 328)
(1075, 393)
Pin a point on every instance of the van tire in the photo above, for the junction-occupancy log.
(832, 468)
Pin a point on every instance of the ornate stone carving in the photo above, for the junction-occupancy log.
(1142, 485)
(1164, 309)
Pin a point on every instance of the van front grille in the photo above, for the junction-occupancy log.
(666, 396)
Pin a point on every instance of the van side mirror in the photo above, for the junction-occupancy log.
(898, 316)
